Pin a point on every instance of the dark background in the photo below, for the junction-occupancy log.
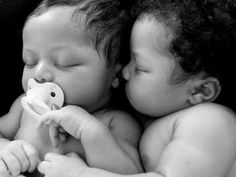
(12, 17)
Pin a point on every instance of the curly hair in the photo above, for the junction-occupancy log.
(204, 36)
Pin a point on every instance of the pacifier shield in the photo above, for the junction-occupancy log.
(42, 97)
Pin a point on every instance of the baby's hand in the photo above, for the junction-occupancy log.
(16, 157)
(73, 119)
(55, 165)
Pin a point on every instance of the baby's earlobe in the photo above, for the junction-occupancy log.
(195, 98)
(207, 91)
(115, 83)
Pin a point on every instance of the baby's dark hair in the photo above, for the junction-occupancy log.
(204, 37)
(106, 20)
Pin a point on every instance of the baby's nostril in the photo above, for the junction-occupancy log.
(53, 94)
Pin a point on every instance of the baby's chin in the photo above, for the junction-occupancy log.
(143, 108)
(137, 105)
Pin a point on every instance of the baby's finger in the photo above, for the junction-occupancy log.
(12, 163)
(72, 154)
(53, 133)
(61, 130)
(49, 118)
(62, 134)
(51, 157)
(40, 123)
(62, 137)
(22, 157)
(3, 169)
(43, 167)
(32, 155)
(44, 120)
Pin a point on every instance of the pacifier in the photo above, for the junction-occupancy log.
(41, 98)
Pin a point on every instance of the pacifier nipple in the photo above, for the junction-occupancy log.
(41, 98)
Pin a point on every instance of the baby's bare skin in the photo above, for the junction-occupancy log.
(204, 135)
(196, 142)
(63, 54)
(40, 139)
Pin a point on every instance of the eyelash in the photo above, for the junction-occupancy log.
(30, 65)
(65, 67)
(137, 70)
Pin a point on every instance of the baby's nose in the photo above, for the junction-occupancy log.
(125, 73)
(43, 74)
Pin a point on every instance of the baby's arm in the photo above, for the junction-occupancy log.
(10, 122)
(112, 147)
(15, 155)
(203, 144)
(74, 166)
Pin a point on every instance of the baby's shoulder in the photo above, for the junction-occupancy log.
(208, 117)
(202, 129)
(207, 112)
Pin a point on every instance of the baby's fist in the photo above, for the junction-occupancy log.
(18, 156)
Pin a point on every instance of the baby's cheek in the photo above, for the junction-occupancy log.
(24, 86)
(24, 83)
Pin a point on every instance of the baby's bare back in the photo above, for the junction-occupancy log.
(199, 141)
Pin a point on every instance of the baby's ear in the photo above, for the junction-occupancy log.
(117, 74)
(204, 90)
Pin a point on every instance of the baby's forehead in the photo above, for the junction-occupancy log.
(45, 29)
(59, 18)
(155, 33)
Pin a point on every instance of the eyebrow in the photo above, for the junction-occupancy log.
(29, 50)
(134, 54)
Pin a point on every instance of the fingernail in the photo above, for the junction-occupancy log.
(54, 107)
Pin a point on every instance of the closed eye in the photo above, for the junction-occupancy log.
(30, 58)
(139, 69)
(30, 65)
(67, 66)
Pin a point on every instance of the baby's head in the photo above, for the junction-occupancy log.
(75, 44)
(181, 54)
